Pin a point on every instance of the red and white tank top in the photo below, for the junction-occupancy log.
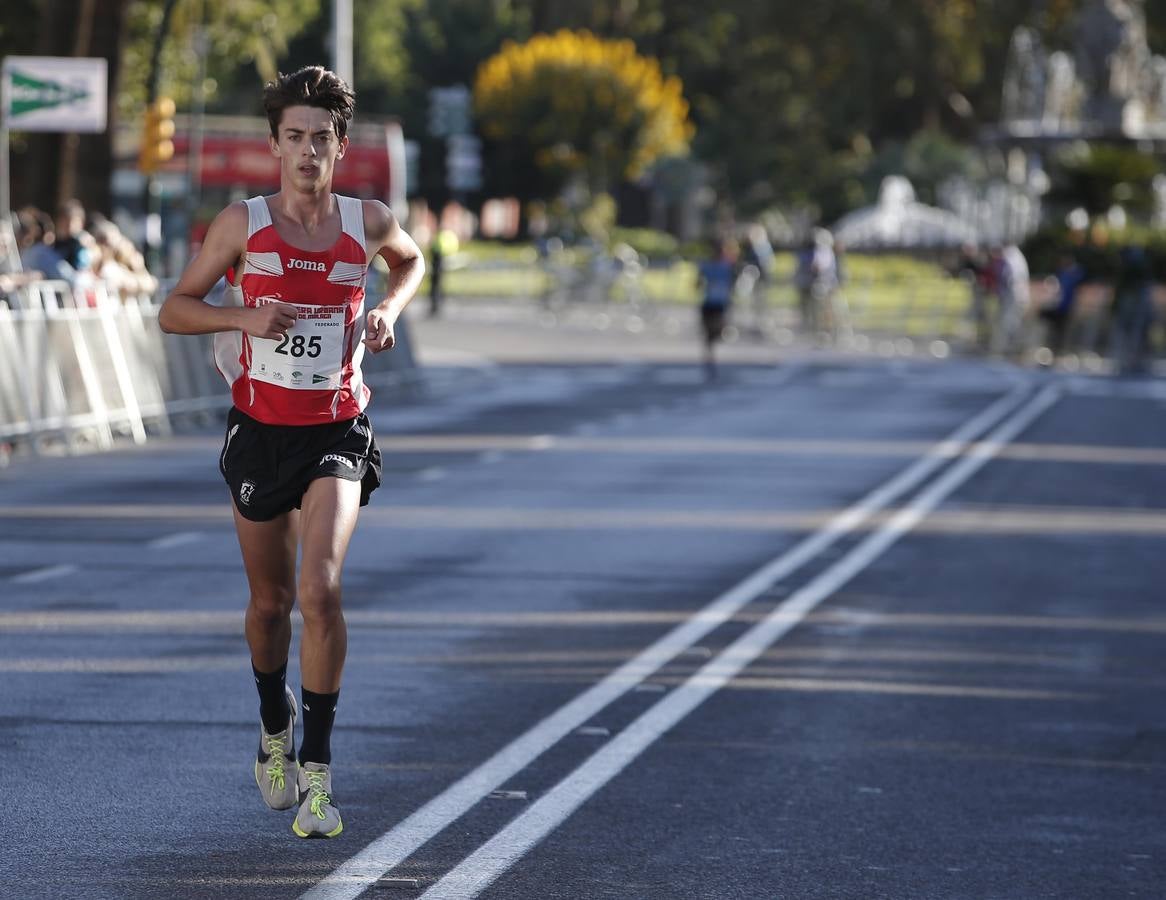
(311, 376)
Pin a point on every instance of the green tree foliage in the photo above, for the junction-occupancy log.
(48, 167)
(402, 49)
(442, 44)
(241, 34)
(793, 103)
(380, 58)
(820, 88)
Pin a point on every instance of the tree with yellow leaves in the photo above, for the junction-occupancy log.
(576, 106)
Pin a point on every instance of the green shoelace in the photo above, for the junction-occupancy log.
(275, 773)
(318, 792)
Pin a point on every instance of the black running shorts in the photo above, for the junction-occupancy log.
(713, 318)
(269, 467)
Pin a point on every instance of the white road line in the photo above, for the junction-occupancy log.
(396, 845)
(178, 539)
(36, 576)
(482, 867)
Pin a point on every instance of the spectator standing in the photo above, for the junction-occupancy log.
(981, 275)
(443, 245)
(117, 263)
(36, 237)
(73, 243)
(1013, 290)
(804, 284)
(436, 265)
(757, 252)
(1133, 311)
(816, 279)
(1070, 275)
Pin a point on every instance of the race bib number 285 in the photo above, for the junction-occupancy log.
(309, 357)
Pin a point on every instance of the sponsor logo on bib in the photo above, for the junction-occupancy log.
(307, 265)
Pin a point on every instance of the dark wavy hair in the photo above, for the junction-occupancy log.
(310, 86)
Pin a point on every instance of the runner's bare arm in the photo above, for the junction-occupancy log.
(406, 269)
(186, 312)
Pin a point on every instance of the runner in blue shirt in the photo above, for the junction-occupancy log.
(716, 277)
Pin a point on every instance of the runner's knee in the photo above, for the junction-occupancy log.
(320, 598)
(271, 604)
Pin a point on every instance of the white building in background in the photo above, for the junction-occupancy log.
(899, 221)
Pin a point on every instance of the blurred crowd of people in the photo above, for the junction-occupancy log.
(742, 267)
(96, 259)
(1120, 311)
(87, 251)
(1103, 304)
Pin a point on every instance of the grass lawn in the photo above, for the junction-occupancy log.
(896, 294)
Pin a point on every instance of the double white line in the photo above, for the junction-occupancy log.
(494, 857)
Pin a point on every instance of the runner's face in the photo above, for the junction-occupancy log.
(307, 148)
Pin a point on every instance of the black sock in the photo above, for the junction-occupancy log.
(319, 713)
(273, 705)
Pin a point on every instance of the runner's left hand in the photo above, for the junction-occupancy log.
(378, 333)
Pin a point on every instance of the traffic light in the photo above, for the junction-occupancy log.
(157, 146)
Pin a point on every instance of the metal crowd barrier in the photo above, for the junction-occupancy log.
(79, 369)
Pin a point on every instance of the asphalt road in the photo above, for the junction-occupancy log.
(619, 632)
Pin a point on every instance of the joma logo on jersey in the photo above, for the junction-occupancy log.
(307, 264)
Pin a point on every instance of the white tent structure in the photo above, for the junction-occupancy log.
(899, 221)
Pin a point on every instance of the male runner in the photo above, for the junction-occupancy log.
(299, 454)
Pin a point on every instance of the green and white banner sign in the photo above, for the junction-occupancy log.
(54, 93)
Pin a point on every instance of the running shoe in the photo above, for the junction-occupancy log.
(319, 817)
(276, 770)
